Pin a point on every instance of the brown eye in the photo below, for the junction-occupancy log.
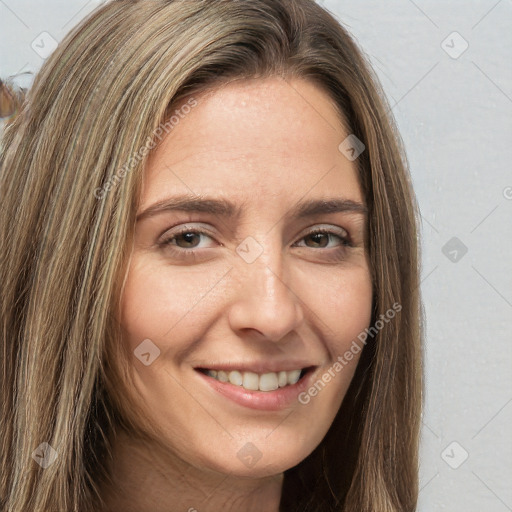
(187, 243)
(190, 238)
(321, 238)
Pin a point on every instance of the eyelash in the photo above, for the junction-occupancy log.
(192, 253)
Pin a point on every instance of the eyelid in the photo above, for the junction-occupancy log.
(328, 227)
(184, 228)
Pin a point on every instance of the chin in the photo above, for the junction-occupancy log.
(256, 459)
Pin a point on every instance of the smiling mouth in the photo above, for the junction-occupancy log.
(258, 381)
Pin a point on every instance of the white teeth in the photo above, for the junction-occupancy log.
(222, 376)
(293, 376)
(268, 382)
(254, 382)
(251, 381)
(235, 378)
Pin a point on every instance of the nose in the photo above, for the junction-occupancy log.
(264, 302)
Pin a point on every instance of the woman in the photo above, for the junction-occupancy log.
(257, 368)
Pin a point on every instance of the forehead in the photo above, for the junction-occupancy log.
(263, 139)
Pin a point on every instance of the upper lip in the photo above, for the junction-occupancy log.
(257, 366)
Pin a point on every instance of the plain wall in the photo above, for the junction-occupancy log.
(453, 109)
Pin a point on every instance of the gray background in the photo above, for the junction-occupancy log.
(453, 106)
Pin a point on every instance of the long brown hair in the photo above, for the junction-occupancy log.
(107, 87)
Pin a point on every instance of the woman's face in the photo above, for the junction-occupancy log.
(240, 272)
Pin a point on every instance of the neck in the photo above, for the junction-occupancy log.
(146, 478)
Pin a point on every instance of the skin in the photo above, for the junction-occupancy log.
(264, 144)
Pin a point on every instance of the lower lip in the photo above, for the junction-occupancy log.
(276, 400)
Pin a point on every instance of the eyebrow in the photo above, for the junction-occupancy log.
(227, 209)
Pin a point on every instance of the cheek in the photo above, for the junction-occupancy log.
(160, 305)
(344, 305)
(156, 303)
